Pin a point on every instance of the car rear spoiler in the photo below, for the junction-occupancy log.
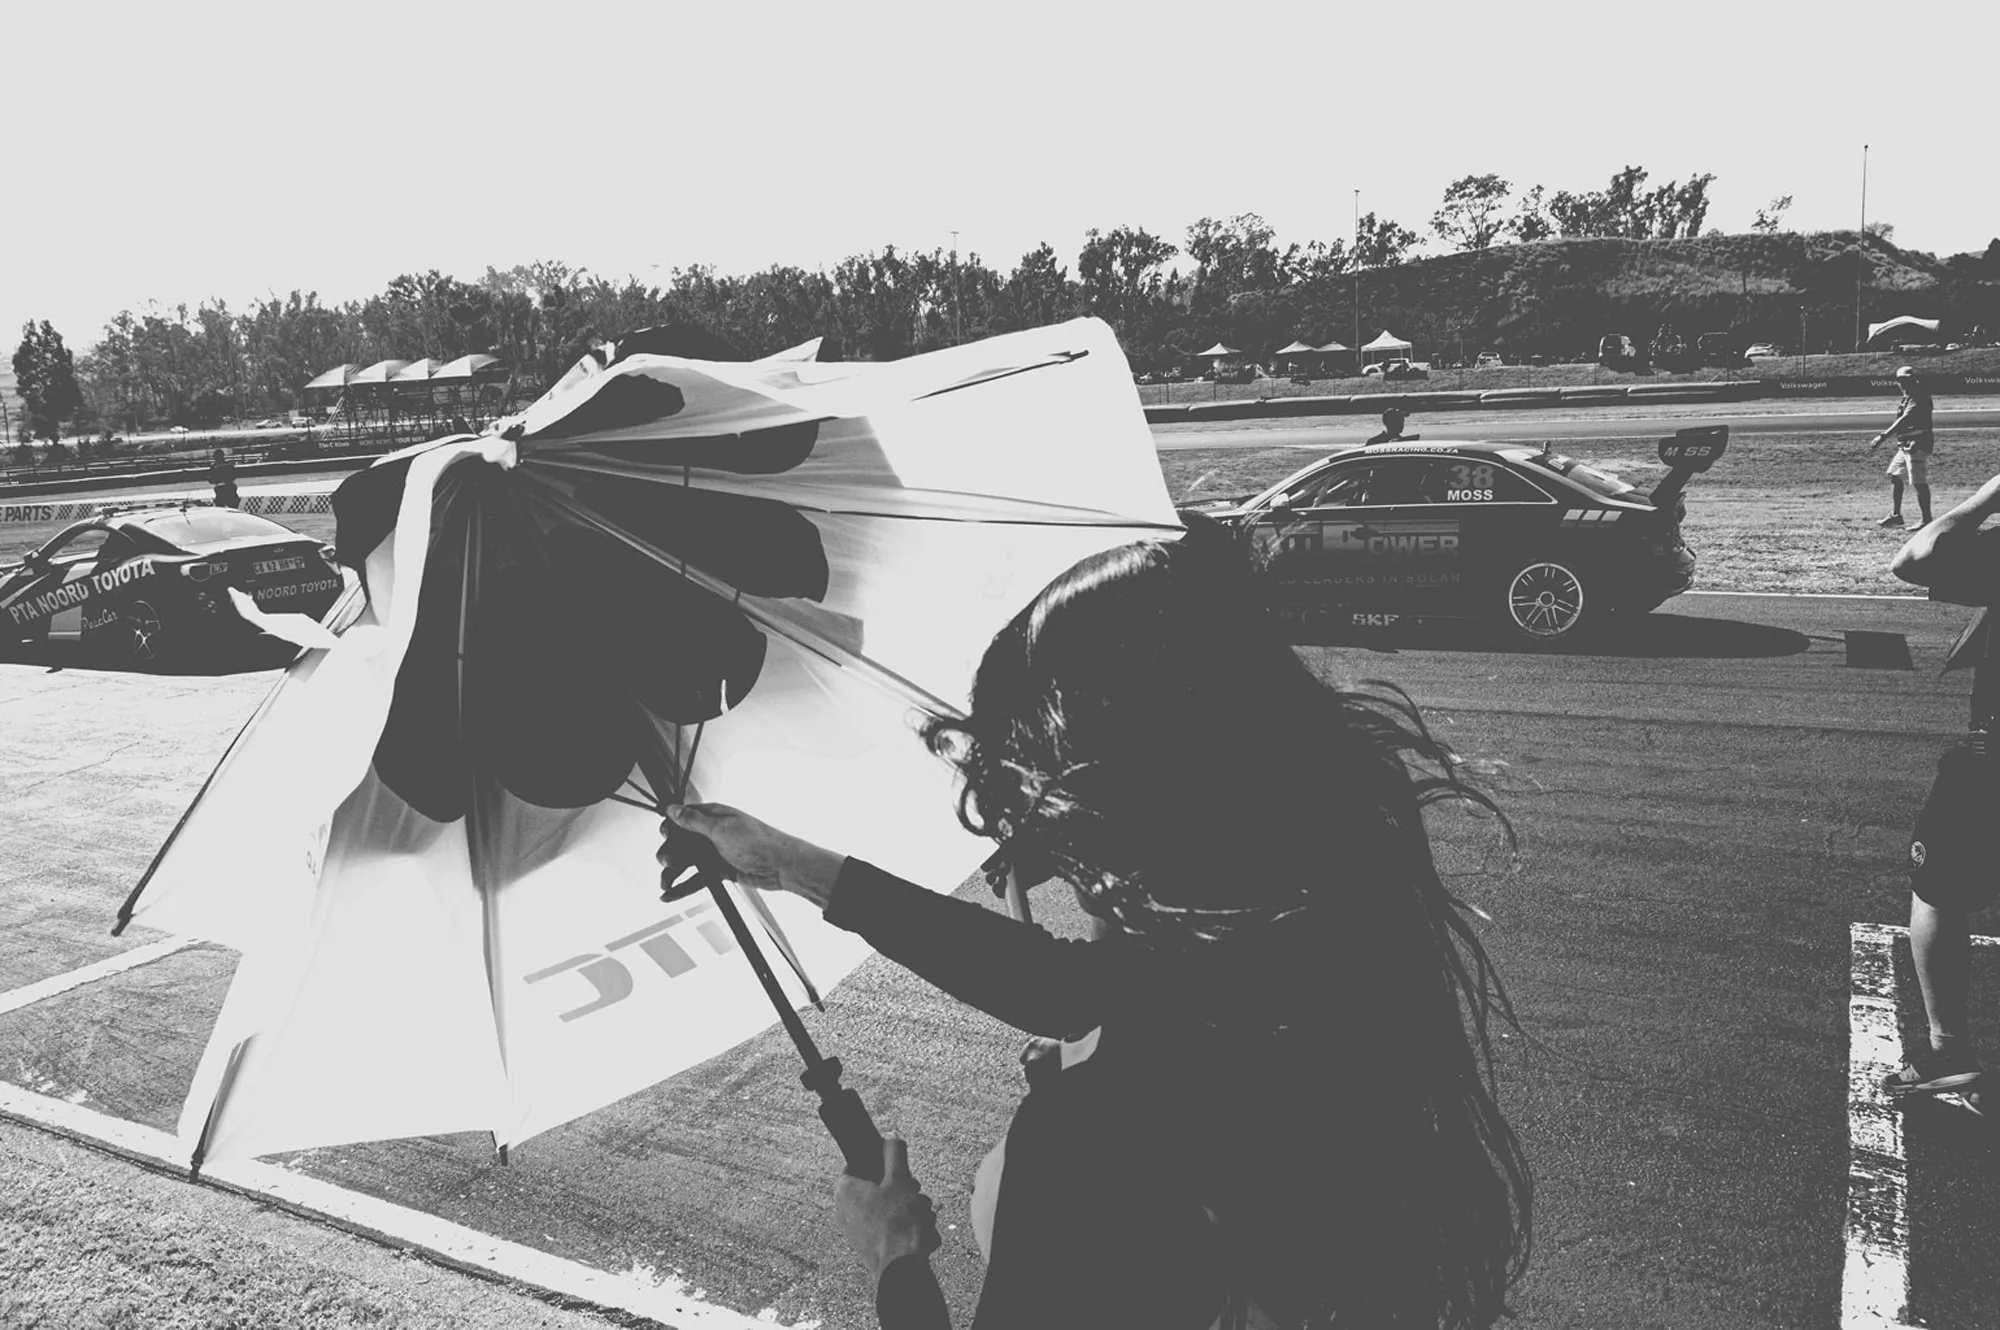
(1686, 453)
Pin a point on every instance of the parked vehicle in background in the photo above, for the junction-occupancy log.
(1617, 349)
(1487, 360)
(1756, 349)
(1398, 369)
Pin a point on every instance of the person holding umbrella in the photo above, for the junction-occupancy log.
(1258, 1093)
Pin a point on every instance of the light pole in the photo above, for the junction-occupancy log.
(1355, 258)
(957, 298)
(1861, 249)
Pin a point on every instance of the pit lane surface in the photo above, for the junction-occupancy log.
(1704, 809)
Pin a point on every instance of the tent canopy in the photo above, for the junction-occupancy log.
(336, 377)
(379, 372)
(1330, 346)
(1296, 349)
(1388, 341)
(1220, 350)
(417, 371)
(1905, 321)
(465, 367)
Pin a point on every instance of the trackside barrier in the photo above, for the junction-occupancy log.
(1735, 390)
(1870, 385)
(1521, 397)
(72, 510)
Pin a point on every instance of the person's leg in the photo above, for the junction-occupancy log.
(1941, 945)
(1923, 501)
(1920, 481)
(1895, 496)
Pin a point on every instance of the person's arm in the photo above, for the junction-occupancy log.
(1943, 552)
(1013, 971)
(1909, 407)
(892, 1227)
(1016, 972)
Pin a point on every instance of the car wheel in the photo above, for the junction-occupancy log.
(1545, 601)
(146, 642)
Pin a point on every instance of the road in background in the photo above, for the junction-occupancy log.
(1703, 810)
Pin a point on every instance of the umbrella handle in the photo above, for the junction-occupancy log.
(846, 1118)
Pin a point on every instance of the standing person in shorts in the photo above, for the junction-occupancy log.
(1951, 876)
(1912, 462)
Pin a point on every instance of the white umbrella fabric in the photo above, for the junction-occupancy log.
(440, 933)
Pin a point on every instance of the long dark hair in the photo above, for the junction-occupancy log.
(1144, 729)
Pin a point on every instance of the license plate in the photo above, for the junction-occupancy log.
(263, 567)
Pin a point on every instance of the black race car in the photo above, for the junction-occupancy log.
(143, 586)
(1510, 532)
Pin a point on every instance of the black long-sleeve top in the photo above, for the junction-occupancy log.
(1096, 1223)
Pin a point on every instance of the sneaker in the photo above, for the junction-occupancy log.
(1930, 1073)
(1892, 520)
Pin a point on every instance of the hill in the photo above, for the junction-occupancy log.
(1557, 297)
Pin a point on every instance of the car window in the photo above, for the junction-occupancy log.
(82, 542)
(195, 527)
(1478, 480)
(1597, 482)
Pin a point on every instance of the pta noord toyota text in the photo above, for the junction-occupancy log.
(1513, 533)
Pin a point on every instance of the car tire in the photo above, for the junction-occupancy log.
(146, 642)
(1546, 601)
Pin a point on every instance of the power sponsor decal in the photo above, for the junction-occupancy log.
(612, 981)
(82, 589)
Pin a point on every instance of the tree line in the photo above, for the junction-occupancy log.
(1228, 279)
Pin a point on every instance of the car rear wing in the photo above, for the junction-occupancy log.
(1688, 452)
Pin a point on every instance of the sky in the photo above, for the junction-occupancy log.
(195, 151)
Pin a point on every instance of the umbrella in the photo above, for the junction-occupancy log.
(668, 578)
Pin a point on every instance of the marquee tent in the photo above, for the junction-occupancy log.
(336, 377)
(1906, 321)
(379, 372)
(1219, 350)
(417, 371)
(465, 368)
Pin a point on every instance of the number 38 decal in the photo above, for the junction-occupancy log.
(1470, 484)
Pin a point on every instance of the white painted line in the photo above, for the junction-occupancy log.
(1875, 1281)
(28, 994)
(453, 1245)
(1813, 595)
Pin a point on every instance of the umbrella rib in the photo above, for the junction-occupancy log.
(799, 636)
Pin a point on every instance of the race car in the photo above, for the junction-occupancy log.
(142, 586)
(1508, 532)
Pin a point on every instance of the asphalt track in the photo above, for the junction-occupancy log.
(1704, 810)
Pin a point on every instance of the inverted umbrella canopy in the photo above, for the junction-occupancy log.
(669, 578)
